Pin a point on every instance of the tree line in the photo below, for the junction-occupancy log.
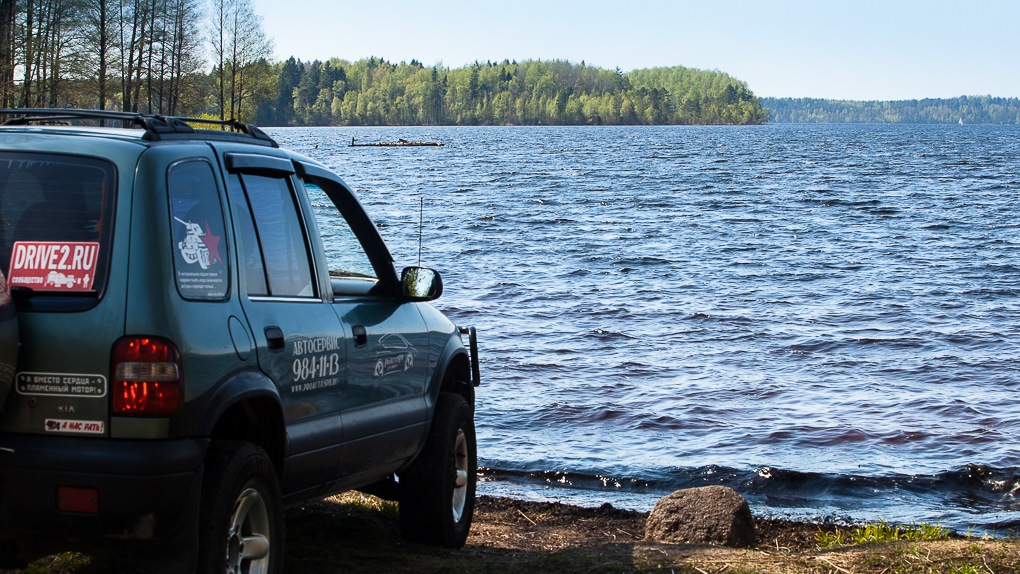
(966, 109)
(212, 58)
(135, 55)
(373, 91)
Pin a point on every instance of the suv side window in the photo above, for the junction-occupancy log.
(197, 221)
(344, 253)
(252, 265)
(276, 247)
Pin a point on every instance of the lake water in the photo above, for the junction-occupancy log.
(824, 317)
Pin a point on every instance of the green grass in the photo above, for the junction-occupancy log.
(882, 532)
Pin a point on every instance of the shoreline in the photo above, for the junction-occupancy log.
(513, 536)
(355, 533)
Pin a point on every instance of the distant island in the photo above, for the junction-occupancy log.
(965, 109)
(374, 92)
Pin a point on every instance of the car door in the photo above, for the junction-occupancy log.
(300, 342)
(383, 405)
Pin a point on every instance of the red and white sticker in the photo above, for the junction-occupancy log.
(53, 265)
(81, 427)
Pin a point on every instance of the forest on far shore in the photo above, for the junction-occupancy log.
(534, 92)
(965, 109)
(212, 58)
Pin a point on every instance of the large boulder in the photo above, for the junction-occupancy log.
(705, 515)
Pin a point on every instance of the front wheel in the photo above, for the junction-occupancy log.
(437, 492)
(241, 529)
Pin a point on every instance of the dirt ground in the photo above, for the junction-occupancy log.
(513, 536)
(354, 534)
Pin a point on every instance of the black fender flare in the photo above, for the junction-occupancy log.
(248, 393)
(454, 356)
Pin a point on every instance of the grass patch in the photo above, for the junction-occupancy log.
(354, 500)
(881, 532)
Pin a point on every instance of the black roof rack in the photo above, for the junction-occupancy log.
(157, 127)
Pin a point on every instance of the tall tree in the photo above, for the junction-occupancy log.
(218, 43)
(133, 19)
(283, 106)
(241, 48)
(99, 42)
(8, 10)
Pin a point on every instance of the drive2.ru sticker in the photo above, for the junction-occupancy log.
(53, 265)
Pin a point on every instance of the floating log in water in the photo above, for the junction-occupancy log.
(398, 143)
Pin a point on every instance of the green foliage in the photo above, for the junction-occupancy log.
(968, 109)
(881, 532)
(534, 92)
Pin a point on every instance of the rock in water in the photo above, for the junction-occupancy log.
(705, 515)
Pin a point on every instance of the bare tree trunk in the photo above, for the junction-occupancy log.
(233, 64)
(127, 50)
(150, 46)
(136, 56)
(7, 10)
(103, 52)
(221, 53)
(176, 58)
(50, 79)
(162, 64)
(55, 64)
(29, 56)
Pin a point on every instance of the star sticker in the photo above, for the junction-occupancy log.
(212, 242)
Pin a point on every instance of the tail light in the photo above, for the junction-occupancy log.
(146, 377)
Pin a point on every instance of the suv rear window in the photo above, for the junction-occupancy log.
(55, 226)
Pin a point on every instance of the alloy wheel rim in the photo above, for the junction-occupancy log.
(249, 534)
(460, 480)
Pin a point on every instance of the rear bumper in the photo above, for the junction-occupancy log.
(147, 491)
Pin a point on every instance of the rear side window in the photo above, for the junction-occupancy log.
(196, 213)
(56, 224)
(277, 258)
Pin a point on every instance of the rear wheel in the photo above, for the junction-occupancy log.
(437, 492)
(241, 529)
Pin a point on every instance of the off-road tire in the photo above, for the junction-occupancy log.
(241, 524)
(437, 492)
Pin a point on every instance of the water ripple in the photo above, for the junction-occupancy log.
(823, 317)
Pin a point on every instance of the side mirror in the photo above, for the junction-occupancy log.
(421, 284)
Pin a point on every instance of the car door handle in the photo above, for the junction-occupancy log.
(274, 338)
(360, 335)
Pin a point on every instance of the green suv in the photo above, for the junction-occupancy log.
(198, 329)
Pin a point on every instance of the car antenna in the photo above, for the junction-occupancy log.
(421, 224)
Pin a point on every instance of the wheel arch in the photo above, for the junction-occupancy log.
(453, 375)
(249, 408)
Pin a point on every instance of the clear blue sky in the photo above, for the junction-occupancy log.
(860, 50)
